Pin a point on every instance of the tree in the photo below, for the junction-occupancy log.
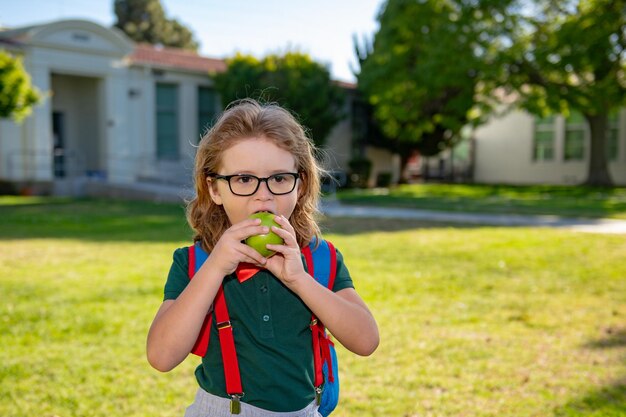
(145, 21)
(572, 56)
(17, 95)
(427, 69)
(293, 80)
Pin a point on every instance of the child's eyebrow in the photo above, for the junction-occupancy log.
(258, 174)
(279, 171)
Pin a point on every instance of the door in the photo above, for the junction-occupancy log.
(58, 134)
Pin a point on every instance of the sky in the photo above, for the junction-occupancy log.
(323, 29)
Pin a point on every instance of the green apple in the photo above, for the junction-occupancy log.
(258, 242)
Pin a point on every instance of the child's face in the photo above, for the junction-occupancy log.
(259, 157)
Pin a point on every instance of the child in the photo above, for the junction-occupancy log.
(256, 158)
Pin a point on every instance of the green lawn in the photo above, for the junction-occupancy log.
(475, 321)
(560, 200)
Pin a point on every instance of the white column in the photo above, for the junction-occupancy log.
(119, 160)
(37, 143)
(559, 139)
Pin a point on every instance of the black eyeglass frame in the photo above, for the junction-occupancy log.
(227, 178)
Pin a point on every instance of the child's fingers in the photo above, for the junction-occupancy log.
(277, 248)
(252, 256)
(284, 223)
(288, 237)
(244, 231)
(289, 248)
(286, 230)
(244, 224)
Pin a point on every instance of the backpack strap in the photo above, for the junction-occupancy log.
(321, 262)
(322, 265)
(197, 256)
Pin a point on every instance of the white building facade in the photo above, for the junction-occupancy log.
(519, 148)
(113, 111)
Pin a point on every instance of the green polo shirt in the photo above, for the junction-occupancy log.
(272, 338)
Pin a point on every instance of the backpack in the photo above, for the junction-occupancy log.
(321, 260)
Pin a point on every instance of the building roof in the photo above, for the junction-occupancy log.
(19, 34)
(159, 56)
(9, 43)
(54, 34)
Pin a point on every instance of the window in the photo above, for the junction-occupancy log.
(207, 109)
(543, 143)
(612, 137)
(575, 128)
(167, 121)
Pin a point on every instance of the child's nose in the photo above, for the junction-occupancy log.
(264, 190)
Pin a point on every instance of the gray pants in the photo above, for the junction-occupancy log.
(208, 405)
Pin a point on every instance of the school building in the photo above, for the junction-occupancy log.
(122, 116)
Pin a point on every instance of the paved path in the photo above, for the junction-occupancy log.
(332, 207)
(612, 226)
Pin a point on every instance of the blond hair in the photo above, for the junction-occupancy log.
(243, 120)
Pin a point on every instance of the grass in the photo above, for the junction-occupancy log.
(535, 200)
(513, 322)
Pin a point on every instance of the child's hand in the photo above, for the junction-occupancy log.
(287, 263)
(230, 249)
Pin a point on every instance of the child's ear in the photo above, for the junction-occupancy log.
(213, 191)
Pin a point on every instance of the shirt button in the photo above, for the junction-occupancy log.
(264, 289)
(266, 318)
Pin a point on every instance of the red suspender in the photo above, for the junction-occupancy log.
(202, 343)
(227, 342)
(315, 329)
(333, 265)
(308, 257)
(191, 269)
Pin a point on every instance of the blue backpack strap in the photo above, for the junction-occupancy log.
(201, 255)
(324, 262)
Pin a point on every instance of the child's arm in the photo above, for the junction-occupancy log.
(344, 313)
(177, 324)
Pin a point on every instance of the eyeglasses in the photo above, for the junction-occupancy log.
(245, 185)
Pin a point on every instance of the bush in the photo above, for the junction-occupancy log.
(383, 179)
(360, 169)
(7, 188)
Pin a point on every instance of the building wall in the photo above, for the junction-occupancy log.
(383, 162)
(11, 165)
(504, 154)
(142, 108)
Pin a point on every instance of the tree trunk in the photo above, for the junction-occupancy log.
(404, 160)
(598, 171)
(451, 176)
